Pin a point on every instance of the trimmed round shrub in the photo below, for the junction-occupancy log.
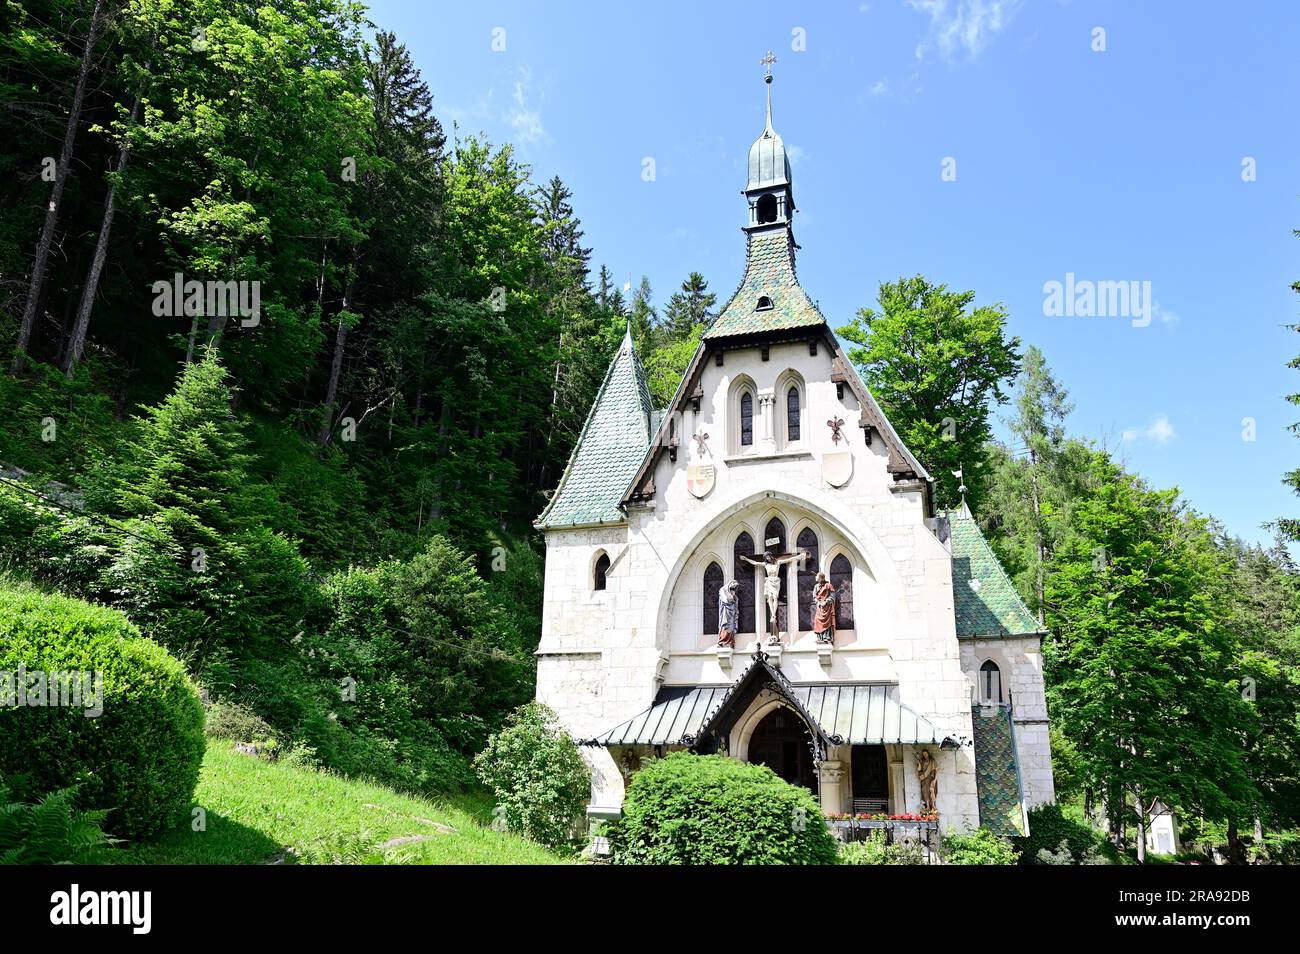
(139, 758)
(539, 779)
(710, 810)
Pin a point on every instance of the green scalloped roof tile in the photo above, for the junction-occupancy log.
(769, 271)
(609, 450)
(997, 778)
(985, 602)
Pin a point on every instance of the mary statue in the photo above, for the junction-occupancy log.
(728, 607)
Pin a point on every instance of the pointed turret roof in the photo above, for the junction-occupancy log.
(769, 163)
(609, 449)
(985, 602)
(769, 297)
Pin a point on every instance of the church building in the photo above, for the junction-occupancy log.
(758, 570)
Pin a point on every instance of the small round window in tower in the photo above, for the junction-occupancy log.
(764, 304)
(766, 209)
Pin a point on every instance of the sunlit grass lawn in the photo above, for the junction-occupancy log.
(259, 813)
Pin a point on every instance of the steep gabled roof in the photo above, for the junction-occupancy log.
(902, 463)
(609, 449)
(985, 602)
(770, 273)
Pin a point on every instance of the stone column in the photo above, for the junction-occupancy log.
(897, 782)
(767, 411)
(830, 772)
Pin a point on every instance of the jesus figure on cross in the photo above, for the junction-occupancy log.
(771, 564)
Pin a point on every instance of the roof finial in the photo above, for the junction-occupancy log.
(767, 61)
(963, 511)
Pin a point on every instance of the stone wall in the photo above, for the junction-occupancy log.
(1020, 660)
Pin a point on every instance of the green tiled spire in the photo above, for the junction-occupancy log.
(609, 450)
(769, 297)
(984, 600)
(997, 775)
(769, 273)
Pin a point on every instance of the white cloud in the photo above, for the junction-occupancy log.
(1163, 315)
(526, 122)
(796, 153)
(879, 88)
(962, 24)
(1159, 430)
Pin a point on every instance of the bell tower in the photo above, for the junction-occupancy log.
(769, 191)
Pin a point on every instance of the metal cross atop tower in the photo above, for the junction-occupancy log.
(768, 61)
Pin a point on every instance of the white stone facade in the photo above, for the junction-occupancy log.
(605, 654)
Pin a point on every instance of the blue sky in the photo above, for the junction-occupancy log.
(1119, 165)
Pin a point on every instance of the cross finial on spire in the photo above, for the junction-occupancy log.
(767, 61)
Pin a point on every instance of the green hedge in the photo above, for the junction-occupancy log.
(1051, 829)
(140, 758)
(708, 810)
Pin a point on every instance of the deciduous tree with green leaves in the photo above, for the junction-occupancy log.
(1141, 666)
(937, 363)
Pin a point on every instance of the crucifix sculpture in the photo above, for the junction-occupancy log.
(771, 564)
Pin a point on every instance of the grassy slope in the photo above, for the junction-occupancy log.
(258, 812)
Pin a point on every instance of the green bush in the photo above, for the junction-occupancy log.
(709, 810)
(236, 723)
(540, 781)
(50, 831)
(980, 847)
(875, 849)
(1050, 829)
(140, 758)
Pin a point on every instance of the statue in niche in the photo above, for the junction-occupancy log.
(927, 772)
(728, 612)
(824, 610)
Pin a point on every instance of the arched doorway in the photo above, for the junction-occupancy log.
(782, 743)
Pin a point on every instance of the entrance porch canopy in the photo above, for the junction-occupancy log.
(845, 713)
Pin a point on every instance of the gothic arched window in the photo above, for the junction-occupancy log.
(766, 209)
(807, 578)
(712, 584)
(842, 579)
(601, 571)
(774, 542)
(746, 419)
(990, 688)
(743, 574)
(792, 414)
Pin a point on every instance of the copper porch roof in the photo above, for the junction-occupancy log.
(849, 714)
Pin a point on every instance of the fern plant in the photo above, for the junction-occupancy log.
(51, 830)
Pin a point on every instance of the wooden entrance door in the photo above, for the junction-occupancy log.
(782, 743)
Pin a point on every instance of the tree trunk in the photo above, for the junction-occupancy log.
(1236, 850)
(1141, 832)
(194, 333)
(1038, 535)
(331, 390)
(336, 366)
(72, 354)
(56, 194)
